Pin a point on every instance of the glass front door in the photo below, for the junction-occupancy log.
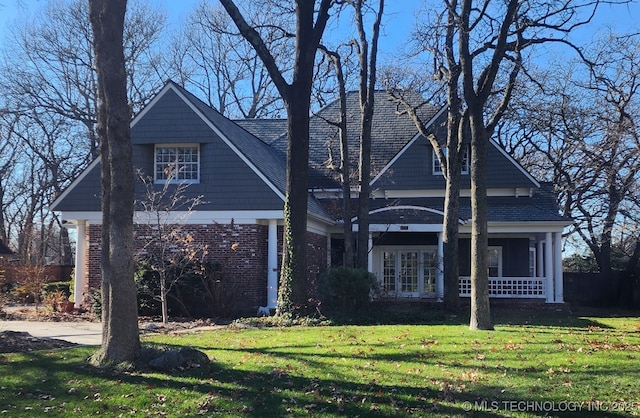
(409, 272)
(429, 271)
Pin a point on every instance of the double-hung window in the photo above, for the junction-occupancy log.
(464, 167)
(177, 163)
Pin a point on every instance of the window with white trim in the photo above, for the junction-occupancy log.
(177, 163)
(494, 261)
(437, 167)
(532, 262)
(408, 271)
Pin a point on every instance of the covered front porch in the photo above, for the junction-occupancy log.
(525, 260)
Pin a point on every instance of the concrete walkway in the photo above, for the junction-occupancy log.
(85, 333)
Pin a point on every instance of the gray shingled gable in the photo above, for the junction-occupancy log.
(391, 132)
(263, 157)
(170, 118)
(83, 195)
(251, 147)
(413, 170)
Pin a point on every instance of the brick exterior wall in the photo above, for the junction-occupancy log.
(240, 250)
(316, 260)
(94, 247)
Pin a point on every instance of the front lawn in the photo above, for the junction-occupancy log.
(550, 365)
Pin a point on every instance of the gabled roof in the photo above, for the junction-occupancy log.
(167, 119)
(263, 158)
(391, 131)
(253, 151)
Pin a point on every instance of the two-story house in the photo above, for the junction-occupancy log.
(239, 169)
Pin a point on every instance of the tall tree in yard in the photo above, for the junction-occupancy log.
(490, 38)
(293, 292)
(345, 172)
(584, 130)
(120, 338)
(366, 51)
(367, 58)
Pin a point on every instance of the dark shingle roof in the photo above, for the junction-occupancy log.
(391, 131)
(267, 130)
(540, 207)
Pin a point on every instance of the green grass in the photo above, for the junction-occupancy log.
(550, 365)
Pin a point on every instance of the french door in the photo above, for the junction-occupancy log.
(409, 272)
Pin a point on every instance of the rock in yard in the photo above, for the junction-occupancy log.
(193, 357)
(186, 358)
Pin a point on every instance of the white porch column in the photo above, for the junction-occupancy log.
(328, 251)
(370, 253)
(540, 257)
(440, 269)
(79, 281)
(272, 265)
(557, 268)
(548, 266)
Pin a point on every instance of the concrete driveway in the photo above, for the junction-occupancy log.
(85, 333)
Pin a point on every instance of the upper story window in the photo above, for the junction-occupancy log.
(437, 168)
(177, 163)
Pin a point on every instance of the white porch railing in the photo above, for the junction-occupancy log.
(510, 287)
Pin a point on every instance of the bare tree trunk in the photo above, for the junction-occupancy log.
(294, 290)
(345, 173)
(367, 60)
(363, 198)
(450, 240)
(3, 230)
(293, 293)
(120, 338)
(163, 298)
(480, 310)
(345, 170)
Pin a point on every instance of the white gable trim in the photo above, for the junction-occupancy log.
(406, 207)
(75, 182)
(152, 103)
(229, 143)
(95, 162)
(406, 147)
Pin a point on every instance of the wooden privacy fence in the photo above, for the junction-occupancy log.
(54, 273)
(619, 289)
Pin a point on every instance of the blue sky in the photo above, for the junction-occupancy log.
(399, 18)
(399, 14)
